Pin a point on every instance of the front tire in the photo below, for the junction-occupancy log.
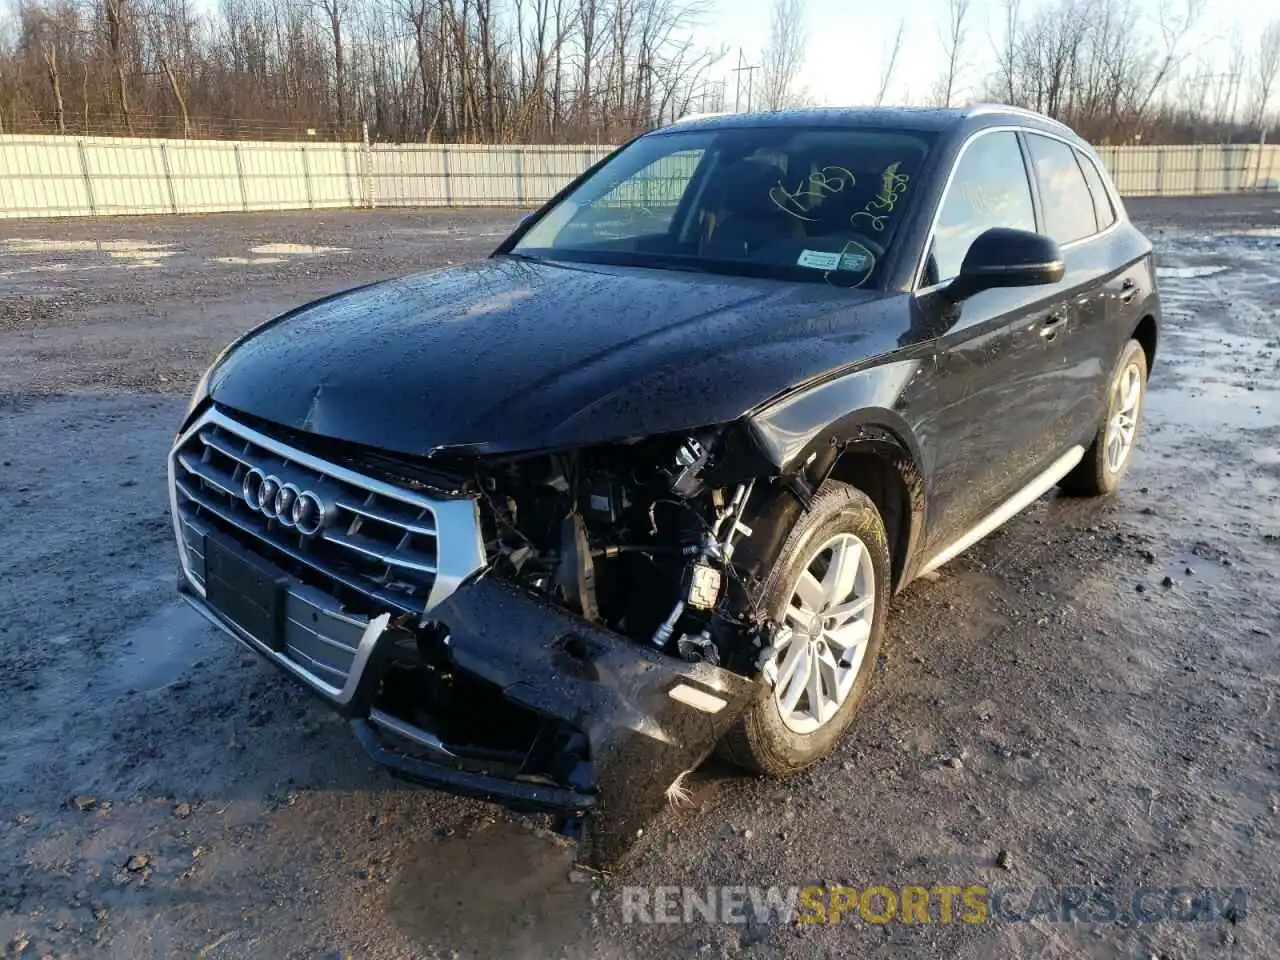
(1106, 462)
(830, 584)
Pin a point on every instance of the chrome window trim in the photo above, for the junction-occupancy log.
(1104, 177)
(918, 274)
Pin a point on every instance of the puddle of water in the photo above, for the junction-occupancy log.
(113, 247)
(38, 268)
(248, 261)
(1188, 273)
(294, 249)
(159, 650)
(1215, 406)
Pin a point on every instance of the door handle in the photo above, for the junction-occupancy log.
(1128, 290)
(1052, 324)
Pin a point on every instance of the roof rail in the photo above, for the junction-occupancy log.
(689, 117)
(978, 109)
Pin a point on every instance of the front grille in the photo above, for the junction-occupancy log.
(389, 545)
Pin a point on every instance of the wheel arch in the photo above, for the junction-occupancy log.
(1147, 334)
(882, 467)
(874, 450)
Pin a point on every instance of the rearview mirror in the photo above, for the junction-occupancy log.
(1003, 257)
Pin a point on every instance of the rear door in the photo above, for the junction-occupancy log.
(1071, 217)
(994, 386)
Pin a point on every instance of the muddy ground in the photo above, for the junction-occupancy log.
(1088, 697)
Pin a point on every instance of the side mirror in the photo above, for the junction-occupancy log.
(1003, 257)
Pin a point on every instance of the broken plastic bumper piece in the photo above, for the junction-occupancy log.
(499, 695)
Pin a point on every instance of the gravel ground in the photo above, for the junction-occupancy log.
(1086, 698)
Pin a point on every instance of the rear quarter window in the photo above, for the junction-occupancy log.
(1102, 207)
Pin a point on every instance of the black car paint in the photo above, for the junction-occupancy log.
(509, 355)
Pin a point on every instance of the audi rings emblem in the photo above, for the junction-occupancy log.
(284, 502)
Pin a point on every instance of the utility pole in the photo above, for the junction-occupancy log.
(737, 94)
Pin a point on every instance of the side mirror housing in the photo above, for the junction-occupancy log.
(1004, 257)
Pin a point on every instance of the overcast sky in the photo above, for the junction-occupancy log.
(848, 41)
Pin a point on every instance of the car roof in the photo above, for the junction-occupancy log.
(933, 119)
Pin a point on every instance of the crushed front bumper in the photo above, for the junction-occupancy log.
(626, 720)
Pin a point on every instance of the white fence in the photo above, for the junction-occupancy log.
(50, 176)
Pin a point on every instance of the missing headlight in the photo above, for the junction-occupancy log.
(630, 536)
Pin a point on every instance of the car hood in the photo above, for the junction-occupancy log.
(507, 355)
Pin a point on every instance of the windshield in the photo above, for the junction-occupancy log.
(800, 203)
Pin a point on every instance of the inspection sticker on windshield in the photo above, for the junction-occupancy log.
(854, 260)
(819, 259)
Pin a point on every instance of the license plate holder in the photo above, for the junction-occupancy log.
(245, 589)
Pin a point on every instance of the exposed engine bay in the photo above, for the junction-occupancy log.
(638, 538)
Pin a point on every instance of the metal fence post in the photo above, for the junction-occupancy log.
(88, 178)
(244, 187)
(365, 168)
(520, 188)
(306, 178)
(168, 176)
(1160, 171)
(448, 186)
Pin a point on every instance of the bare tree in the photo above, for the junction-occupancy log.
(50, 52)
(1007, 55)
(886, 74)
(169, 25)
(953, 61)
(116, 24)
(1266, 67)
(334, 12)
(784, 55)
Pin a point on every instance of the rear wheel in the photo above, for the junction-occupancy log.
(830, 586)
(1106, 462)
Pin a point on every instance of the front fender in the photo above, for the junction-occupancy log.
(806, 434)
(795, 426)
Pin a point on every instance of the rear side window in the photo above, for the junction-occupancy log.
(989, 189)
(1102, 207)
(1068, 205)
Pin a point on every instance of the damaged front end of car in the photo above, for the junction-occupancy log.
(562, 631)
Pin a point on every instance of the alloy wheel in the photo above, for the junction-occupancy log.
(830, 614)
(1123, 424)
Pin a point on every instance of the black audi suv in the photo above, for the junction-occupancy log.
(551, 527)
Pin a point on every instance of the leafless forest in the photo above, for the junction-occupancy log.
(589, 70)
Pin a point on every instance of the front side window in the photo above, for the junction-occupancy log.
(792, 202)
(989, 189)
(1068, 205)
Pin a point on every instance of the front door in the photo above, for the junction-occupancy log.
(995, 387)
